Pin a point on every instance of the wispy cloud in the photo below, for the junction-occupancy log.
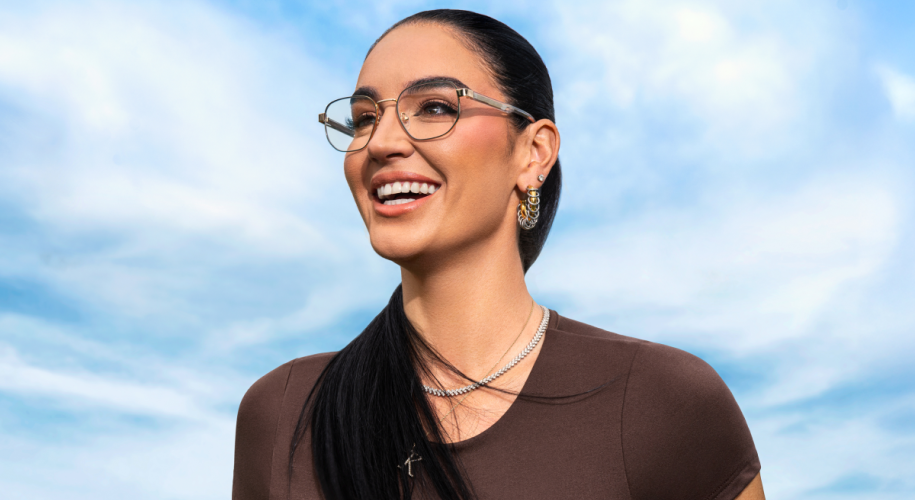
(191, 461)
(743, 270)
(718, 201)
(180, 150)
(900, 90)
(19, 377)
(173, 225)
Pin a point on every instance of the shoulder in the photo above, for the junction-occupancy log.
(652, 367)
(270, 388)
(258, 419)
(590, 342)
(261, 405)
(580, 329)
(579, 357)
(664, 370)
(683, 433)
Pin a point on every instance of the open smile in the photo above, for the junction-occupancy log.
(396, 193)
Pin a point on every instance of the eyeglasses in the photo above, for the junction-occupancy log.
(426, 110)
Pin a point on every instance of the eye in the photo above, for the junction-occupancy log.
(365, 120)
(436, 108)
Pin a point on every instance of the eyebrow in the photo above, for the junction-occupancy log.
(373, 93)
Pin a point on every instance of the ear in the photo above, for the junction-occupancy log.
(539, 151)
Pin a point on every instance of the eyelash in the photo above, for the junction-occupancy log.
(449, 108)
(351, 122)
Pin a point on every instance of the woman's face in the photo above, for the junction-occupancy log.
(472, 168)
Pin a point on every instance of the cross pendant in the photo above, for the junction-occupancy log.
(409, 461)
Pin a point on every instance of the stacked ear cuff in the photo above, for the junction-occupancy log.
(529, 209)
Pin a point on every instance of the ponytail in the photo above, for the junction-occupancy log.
(368, 411)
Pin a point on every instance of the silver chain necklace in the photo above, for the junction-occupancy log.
(476, 385)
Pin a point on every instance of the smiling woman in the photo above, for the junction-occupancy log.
(451, 154)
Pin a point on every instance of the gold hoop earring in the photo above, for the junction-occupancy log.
(529, 209)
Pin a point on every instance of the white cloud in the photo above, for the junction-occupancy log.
(720, 205)
(729, 76)
(63, 367)
(181, 135)
(750, 270)
(326, 307)
(168, 156)
(111, 392)
(900, 91)
(189, 461)
(801, 453)
(166, 129)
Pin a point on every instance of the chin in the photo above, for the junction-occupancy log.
(397, 250)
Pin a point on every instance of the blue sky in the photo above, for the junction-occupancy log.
(738, 183)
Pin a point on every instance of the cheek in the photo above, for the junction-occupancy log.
(484, 167)
(353, 171)
(482, 137)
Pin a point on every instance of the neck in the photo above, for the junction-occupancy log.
(471, 307)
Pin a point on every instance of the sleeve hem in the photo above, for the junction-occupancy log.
(738, 480)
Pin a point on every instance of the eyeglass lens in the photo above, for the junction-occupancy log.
(426, 110)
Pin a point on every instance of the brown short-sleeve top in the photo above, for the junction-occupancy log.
(663, 426)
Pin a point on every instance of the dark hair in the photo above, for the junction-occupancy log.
(368, 411)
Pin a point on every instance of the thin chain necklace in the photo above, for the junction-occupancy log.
(476, 385)
(408, 463)
(529, 314)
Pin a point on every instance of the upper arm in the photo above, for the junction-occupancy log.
(753, 491)
(683, 434)
(255, 430)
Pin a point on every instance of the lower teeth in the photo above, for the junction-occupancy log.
(398, 202)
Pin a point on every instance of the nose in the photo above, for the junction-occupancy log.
(390, 140)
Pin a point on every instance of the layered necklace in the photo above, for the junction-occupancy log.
(414, 457)
(511, 364)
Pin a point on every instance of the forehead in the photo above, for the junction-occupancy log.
(419, 51)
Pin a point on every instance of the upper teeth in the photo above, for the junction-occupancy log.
(405, 187)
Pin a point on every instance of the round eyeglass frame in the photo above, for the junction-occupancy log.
(461, 92)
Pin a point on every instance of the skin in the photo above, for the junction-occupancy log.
(463, 281)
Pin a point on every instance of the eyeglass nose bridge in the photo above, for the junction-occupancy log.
(379, 107)
(404, 119)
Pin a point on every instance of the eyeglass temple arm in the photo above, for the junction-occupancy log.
(339, 127)
(508, 108)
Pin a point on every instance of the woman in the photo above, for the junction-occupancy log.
(463, 387)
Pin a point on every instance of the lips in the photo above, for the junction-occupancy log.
(396, 193)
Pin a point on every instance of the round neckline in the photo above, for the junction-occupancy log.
(530, 383)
